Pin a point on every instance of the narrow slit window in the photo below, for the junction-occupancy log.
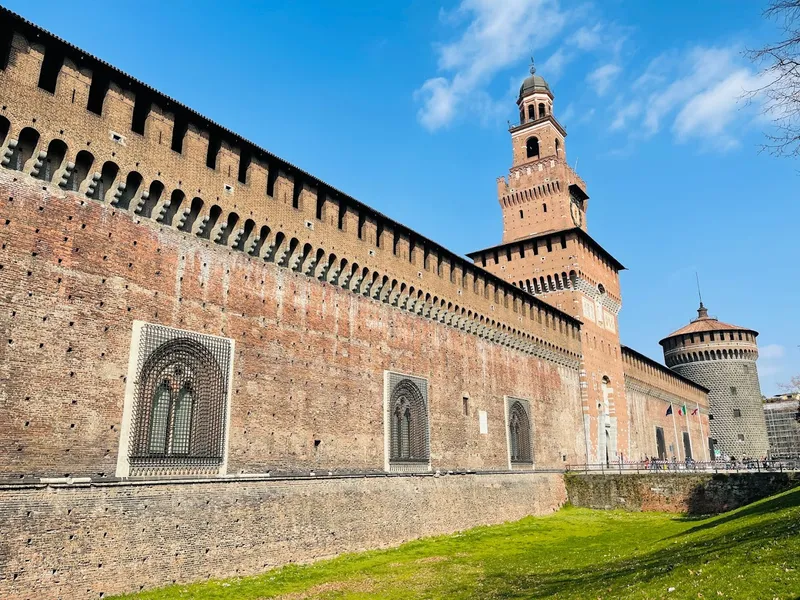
(48, 75)
(141, 110)
(97, 93)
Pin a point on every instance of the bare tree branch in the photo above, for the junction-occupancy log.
(780, 69)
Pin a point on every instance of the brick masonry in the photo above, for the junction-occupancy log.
(142, 210)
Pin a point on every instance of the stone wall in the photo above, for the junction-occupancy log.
(735, 398)
(703, 493)
(77, 542)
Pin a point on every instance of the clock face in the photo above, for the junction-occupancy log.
(575, 211)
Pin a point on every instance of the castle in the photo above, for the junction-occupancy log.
(216, 362)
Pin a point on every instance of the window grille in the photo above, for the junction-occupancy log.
(407, 418)
(180, 401)
(519, 432)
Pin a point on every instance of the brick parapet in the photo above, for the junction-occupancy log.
(641, 369)
(301, 215)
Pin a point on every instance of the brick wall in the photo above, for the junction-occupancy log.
(308, 363)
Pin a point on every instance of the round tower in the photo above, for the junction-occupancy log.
(722, 358)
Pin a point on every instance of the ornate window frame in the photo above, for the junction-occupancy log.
(527, 459)
(177, 408)
(409, 395)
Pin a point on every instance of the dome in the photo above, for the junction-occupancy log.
(533, 83)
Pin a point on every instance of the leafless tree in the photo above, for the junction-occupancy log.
(780, 69)
(793, 387)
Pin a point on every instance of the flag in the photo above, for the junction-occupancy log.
(685, 410)
(669, 410)
(694, 412)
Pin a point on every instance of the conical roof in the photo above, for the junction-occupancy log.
(705, 323)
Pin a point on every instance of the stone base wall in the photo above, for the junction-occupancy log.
(705, 493)
(75, 542)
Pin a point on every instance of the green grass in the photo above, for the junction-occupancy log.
(750, 553)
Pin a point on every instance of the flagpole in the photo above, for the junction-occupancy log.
(688, 429)
(702, 435)
(675, 431)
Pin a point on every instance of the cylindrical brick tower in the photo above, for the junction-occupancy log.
(722, 358)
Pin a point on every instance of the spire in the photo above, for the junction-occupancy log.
(533, 67)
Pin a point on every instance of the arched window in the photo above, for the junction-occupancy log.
(131, 191)
(56, 152)
(28, 140)
(190, 217)
(107, 177)
(181, 398)
(83, 163)
(558, 148)
(153, 196)
(532, 147)
(531, 112)
(408, 419)
(542, 111)
(519, 432)
(521, 214)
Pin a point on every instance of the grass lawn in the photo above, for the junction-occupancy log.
(750, 553)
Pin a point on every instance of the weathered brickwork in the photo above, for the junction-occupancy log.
(651, 388)
(547, 252)
(308, 364)
(71, 543)
(351, 357)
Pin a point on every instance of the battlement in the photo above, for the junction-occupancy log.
(77, 123)
(653, 373)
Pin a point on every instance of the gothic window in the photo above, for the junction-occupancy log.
(179, 404)
(532, 147)
(519, 432)
(407, 418)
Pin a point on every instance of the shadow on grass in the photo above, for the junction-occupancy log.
(643, 569)
(786, 500)
(724, 491)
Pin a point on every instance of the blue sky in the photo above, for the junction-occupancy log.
(405, 105)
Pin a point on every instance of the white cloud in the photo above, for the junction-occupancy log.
(602, 78)
(697, 92)
(553, 67)
(498, 35)
(772, 352)
(708, 114)
(630, 111)
(588, 38)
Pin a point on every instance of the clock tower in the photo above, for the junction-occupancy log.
(547, 251)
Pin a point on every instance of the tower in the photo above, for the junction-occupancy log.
(722, 358)
(547, 251)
